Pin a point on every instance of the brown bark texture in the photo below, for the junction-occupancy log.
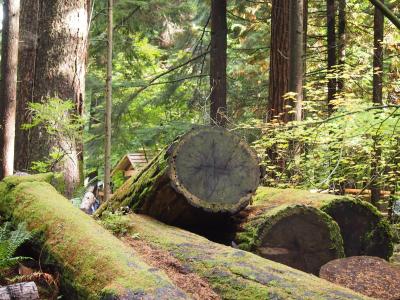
(8, 88)
(59, 71)
(279, 62)
(218, 61)
(20, 291)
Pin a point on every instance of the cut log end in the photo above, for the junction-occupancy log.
(298, 236)
(364, 230)
(214, 169)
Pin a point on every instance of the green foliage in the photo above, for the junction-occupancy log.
(116, 222)
(10, 241)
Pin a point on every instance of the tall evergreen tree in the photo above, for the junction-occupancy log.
(332, 58)
(8, 88)
(218, 62)
(279, 61)
(59, 71)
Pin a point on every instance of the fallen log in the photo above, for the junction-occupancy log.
(370, 276)
(299, 236)
(93, 263)
(208, 172)
(364, 230)
(19, 291)
(233, 273)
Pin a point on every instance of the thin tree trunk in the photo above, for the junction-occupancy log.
(279, 62)
(342, 42)
(377, 99)
(305, 33)
(296, 55)
(107, 155)
(8, 100)
(59, 71)
(27, 52)
(218, 61)
(331, 35)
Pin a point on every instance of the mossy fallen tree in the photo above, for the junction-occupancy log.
(205, 174)
(93, 263)
(299, 236)
(233, 273)
(364, 230)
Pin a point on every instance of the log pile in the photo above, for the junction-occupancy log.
(96, 265)
(364, 230)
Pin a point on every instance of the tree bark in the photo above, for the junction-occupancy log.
(364, 230)
(92, 262)
(279, 62)
(8, 96)
(20, 291)
(342, 24)
(377, 100)
(59, 72)
(218, 62)
(296, 55)
(108, 115)
(29, 20)
(332, 59)
(300, 236)
(207, 174)
(233, 273)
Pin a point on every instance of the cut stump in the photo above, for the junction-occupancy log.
(206, 172)
(364, 230)
(299, 236)
(371, 276)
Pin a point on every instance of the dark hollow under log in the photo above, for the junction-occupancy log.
(299, 236)
(205, 173)
(364, 230)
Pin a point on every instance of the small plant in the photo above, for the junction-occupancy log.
(10, 241)
(117, 223)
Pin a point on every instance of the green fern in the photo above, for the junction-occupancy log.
(10, 241)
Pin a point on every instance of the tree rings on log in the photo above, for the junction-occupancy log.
(363, 228)
(299, 236)
(371, 276)
(205, 175)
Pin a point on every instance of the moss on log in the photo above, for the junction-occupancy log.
(208, 171)
(233, 273)
(364, 230)
(299, 236)
(94, 264)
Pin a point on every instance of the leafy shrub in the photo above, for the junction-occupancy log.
(117, 223)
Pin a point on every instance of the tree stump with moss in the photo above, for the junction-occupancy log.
(363, 228)
(205, 173)
(299, 236)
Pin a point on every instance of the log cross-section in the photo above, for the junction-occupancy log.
(205, 174)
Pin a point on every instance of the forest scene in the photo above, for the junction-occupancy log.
(200, 149)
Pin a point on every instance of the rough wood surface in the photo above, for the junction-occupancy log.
(371, 276)
(206, 171)
(364, 230)
(19, 291)
(299, 236)
(92, 262)
(233, 273)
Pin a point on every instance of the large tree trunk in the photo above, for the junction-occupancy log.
(296, 55)
(8, 87)
(93, 263)
(364, 230)
(331, 39)
(233, 273)
(20, 291)
(218, 61)
(377, 100)
(204, 175)
(299, 236)
(26, 77)
(279, 62)
(59, 72)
